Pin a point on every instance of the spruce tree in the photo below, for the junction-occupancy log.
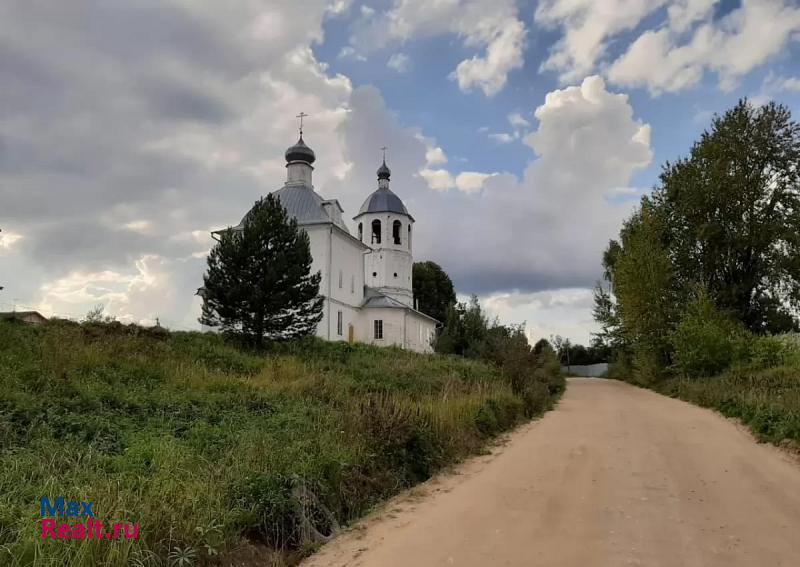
(259, 283)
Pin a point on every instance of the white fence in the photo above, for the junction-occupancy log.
(588, 370)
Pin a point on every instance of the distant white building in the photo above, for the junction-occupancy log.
(366, 279)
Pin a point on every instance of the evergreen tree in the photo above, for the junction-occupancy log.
(259, 283)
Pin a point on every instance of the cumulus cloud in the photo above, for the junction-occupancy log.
(730, 47)
(120, 155)
(435, 156)
(494, 28)
(587, 26)
(438, 179)
(545, 230)
(503, 54)
(685, 41)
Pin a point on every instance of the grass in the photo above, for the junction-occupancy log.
(762, 389)
(220, 454)
(766, 400)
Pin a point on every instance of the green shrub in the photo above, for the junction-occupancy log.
(705, 341)
(768, 352)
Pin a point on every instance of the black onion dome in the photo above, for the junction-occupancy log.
(300, 152)
(383, 171)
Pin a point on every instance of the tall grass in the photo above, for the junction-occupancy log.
(761, 387)
(218, 453)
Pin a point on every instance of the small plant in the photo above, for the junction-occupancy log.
(182, 556)
(210, 537)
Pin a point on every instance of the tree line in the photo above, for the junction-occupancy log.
(710, 260)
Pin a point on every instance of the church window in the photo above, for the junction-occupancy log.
(374, 274)
(378, 328)
(340, 279)
(352, 284)
(397, 226)
(339, 323)
(409, 237)
(376, 231)
(361, 231)
(395, 274)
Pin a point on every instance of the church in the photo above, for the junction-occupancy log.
(366, 278)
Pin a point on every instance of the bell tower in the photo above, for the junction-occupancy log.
(384, 224)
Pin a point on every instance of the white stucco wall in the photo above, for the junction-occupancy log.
(334, 252)
(389, 266)
(401, 327)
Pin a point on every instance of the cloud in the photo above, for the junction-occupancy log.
(494, 28)
(111, 145)
(348, 52)
(8, 240)
(566, 312)
(773, 85)
(685, 41)
(181, 133)
(517, 120)
(490, 72)
(438, 179)
(435, 156)
(520, 125)
(399, 62)
(543, 231)
(733, 46)
(502, 137)
(791, 84)
(472, 181)
(587, 25)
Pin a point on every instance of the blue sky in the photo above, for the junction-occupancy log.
(520, 133)
(425, 96)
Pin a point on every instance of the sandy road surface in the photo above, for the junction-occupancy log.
(614, 476)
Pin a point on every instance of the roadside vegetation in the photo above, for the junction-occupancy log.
(222, 454)
(701, 291)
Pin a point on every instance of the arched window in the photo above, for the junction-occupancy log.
(409, 236)
(361, 231)
(397, 226)
(376, 231)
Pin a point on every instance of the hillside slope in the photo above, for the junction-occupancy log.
(217, 453)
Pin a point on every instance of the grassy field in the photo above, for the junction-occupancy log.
(221, 455)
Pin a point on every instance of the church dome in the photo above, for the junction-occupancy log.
(382, 200)
(383, 171)
(300, 152)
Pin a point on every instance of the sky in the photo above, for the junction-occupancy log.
(520, 134)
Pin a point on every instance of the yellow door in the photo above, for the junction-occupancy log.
(351, 334)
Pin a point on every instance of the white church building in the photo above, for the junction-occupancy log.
(367, 277)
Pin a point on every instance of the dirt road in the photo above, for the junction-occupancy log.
(614, 476)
